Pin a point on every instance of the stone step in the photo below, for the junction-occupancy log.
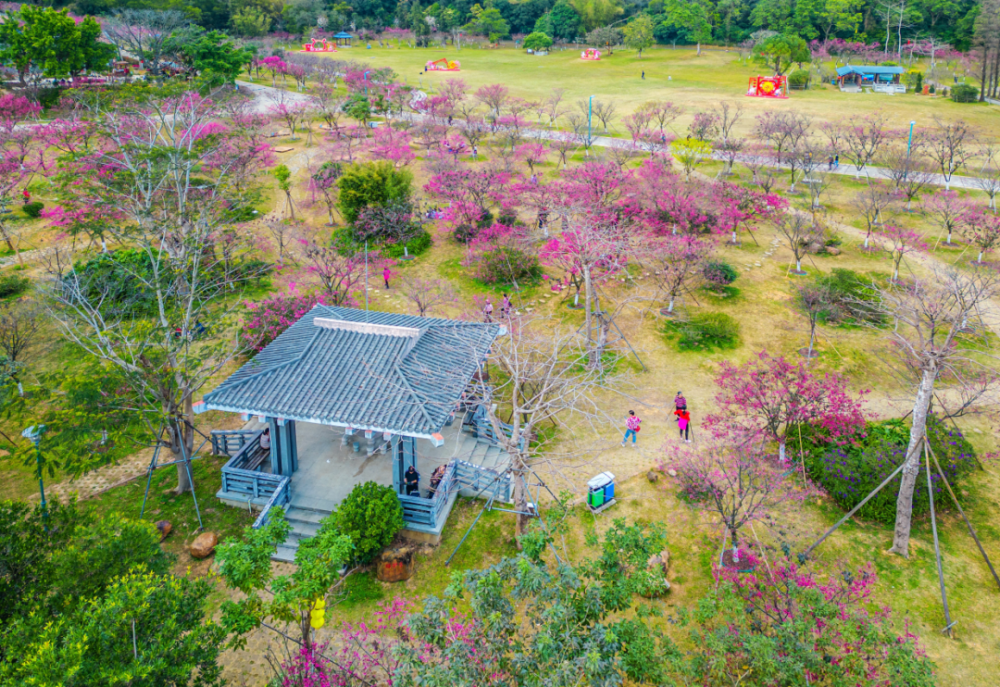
(305, 514)
(302, 530)
(285, 553)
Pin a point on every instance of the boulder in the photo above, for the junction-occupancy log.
(652, 476)
(832, 250)
(815, 247)
(672, 472)
(164, 528)
(395, 564)
(662, 560)
(204, 545)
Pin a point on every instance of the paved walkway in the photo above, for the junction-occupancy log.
(262, 94)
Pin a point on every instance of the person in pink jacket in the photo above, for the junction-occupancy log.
(684, 424)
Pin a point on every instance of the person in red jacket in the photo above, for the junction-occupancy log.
(26, 194)
(632, 423)
(684, 424)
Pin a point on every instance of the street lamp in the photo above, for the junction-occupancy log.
(909, 143)
(365, 79)
(34, 435)
(590, 116)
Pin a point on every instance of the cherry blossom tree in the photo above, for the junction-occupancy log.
(982, 229)
(769, 395)
(427, 295)
(494, 97)
(392, 145)
(950, 145)
(798, 231)
(731, 479)
(340, 275)
(785, 132)
(899, 242)
(863, 141)
(946, 209)
(909, 174)
(324, 180)
(814, 300)
(675, 262)
(870, 203)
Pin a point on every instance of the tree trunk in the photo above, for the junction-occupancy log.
(588, 316)
(306, 628)
(911, 469)
(781, 452)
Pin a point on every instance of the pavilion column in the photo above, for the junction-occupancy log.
(404, 452)
(284, 448)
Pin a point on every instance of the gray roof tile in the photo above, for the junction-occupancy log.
(376, 378)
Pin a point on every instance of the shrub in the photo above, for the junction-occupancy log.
(704, 331)
(414, 246)
(506, 264)
(371, 516)
(964, 93)
(852, 299)
(799, 79)
(12, 285)
(915, 80)
(34, 210)
(367, 184)
(537, 41)
(850, 472)
(719, 274)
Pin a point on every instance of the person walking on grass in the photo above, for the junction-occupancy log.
(385, 276)
(684, 424)
(631, 427)
(680, 403)
(488, 310)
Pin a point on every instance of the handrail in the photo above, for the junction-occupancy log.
(241, 456)
(279, 498)
(221, 437)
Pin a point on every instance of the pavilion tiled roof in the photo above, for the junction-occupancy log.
(362, 369)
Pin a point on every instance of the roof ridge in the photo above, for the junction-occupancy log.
(421, 400)
(271, 369)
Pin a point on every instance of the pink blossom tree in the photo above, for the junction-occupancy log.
(340, 276)
(494, 97)
(899, 242)
(731, 479)
(768, 395)
(267, 319)
(427, 295)
(946, 209)
(392, 145)
(982, 229)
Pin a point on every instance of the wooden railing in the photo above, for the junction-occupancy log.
(426, 511)
(228, 442)
(484, 428)
(458, 475)
(241, 474)
(279, 499)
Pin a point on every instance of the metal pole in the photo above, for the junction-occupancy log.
(937, 547)
(366, 275)
(909, 143)
(41, 487)
(590, 115)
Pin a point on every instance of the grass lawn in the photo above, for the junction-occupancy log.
(680, 76)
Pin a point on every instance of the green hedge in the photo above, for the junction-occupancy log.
(964, 93)
(798, 80)
(371, 516)
(34, 210)
(12, 285)
(849, 473)
(703, 332)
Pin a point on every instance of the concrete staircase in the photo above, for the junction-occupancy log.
(486, 454)
(305, 524)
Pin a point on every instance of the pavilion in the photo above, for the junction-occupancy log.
(347, 394)
(854, 77)
(343, 39)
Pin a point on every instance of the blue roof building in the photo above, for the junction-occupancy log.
(863, 75)
(340, 379)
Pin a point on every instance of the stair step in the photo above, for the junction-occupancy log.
(305, 514)
(285, 553)
(303, 530)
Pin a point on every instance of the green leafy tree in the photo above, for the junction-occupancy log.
(544, 24)
(366, 184)
(839, 17)
(245, 565)
(51, 41)
(565, 21)
(358, 107)
(639, 33)
(371, 516)
(218, 60)
(572, 625)
(691, 18)
(487, 22)
(537, 41)
(145, 629)
(418, 24)
(596, 13)
(781, 51)
(28, 539)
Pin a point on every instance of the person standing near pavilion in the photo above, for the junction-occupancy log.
(385, 275)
